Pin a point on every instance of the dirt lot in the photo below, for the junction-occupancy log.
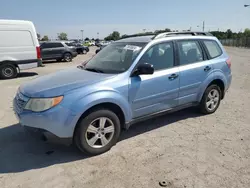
(184, 149)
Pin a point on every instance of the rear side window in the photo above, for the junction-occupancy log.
(189, 52)
(10, 38)
(213, 48)
(56, 45)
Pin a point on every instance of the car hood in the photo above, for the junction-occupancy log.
(58, 83)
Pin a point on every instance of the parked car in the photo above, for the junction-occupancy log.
(58, 50)
(80, 49)
(100, 48)
(92, 43)
(130, 80)
(19, 47)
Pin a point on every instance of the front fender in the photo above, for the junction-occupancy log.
(216, 75)
(107, 96)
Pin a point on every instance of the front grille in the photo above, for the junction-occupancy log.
(20, 102)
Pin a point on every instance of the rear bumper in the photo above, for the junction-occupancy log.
(74, 54)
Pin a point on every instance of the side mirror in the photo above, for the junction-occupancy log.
(144, 68)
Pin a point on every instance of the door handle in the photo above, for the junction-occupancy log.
(173, 76)
(207, 68)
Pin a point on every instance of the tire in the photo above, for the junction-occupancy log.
(79, 52)
(82, 136)
(67, 57)
(84, 51)
(210, 100)
(8, 71)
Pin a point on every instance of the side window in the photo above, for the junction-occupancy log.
(161, 56)
(213, 48)
(56, 45)
(189, 52)
(45, 45)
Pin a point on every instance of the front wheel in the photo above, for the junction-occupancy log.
(84, 51)
(97, 132)
(210, 100)
(67, 57)
(8, 71)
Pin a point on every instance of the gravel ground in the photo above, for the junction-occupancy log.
(184, 149)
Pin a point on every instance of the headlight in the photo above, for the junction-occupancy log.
(42, 104)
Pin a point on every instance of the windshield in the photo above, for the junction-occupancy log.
(70, 43)
(115, 58)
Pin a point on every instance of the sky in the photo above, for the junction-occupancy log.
(126, 16)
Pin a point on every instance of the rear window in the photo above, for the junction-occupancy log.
(10, 38)
(70, 44)
(213, 48)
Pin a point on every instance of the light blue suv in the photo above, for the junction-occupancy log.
(128, 81)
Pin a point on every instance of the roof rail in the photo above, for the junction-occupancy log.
(193, 33)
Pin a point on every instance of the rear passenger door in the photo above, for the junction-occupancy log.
(57, 50)
(194, 68)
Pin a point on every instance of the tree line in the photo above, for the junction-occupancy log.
(115, 35)
(229, 34)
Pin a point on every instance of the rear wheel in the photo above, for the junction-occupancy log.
(67, 57)
(84, 51)
(8, 71)
(211, 100)
(97, 132)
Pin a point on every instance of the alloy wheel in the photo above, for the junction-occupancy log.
(100, 132)
(212, 99)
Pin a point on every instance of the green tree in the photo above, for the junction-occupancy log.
(38, 36)
(93, 39)
(63, 36)
(229, 34)
(113, 36)
(247, 32)
(162, 31)
(86, 39)
(45, 38)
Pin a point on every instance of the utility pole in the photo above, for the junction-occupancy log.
(203, 26)
(82, 34)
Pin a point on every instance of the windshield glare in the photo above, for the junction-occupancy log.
(115, 58)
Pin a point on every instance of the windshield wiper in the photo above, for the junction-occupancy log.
(80, 67)
(94, 70)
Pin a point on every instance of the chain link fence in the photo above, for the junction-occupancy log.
(239, 42)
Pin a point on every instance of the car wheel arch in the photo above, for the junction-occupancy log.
(216, 81)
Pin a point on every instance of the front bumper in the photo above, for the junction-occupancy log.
(57, 120)
(74, 54)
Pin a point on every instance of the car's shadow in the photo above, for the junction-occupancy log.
(22, 75)
(20, 151)
(27, 74)
(52, 61)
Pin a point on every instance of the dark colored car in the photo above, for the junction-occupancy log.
(80, 49)
(57, 50)
(101, 47)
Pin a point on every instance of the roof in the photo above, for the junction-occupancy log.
(144, 39)
(171, 35)
(15, 22)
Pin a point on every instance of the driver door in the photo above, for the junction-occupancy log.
(160, 91)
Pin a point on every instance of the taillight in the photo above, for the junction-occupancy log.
(228, 61)
(38, 52)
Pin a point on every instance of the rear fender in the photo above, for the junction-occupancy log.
(217, 75)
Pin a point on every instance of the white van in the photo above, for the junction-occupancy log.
(19, 47)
